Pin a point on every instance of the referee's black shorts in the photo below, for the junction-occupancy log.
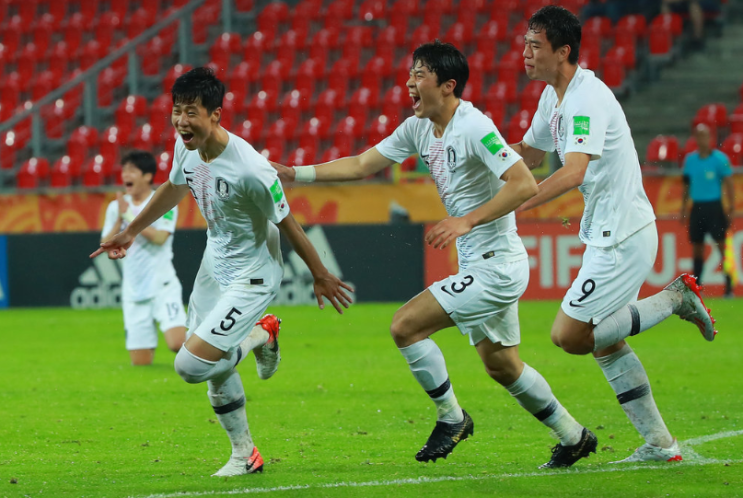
(707, 217)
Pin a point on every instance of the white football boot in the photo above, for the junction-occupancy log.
(238, 466)
(692, 308)
(268, 356)
(650, 453)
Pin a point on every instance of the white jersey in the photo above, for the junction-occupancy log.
(589, 119)
(466, 164)
(240, 196)
(147, 266)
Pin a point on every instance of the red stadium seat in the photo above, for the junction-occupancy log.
(273, 153)
(90, 53)
(143, 138)
(251, 130)
(347, 130)
(518, 125)
(422, 34)
(338, 11)
(394, 104)
(335, 152)
(325, 40)
(328, 102)
(590, 59)
(598, 26)
(242, 76)
(614, 75)
(663, 148)
(732, 146)
(689, 147)
(482, 62)
(371, 10)
(224, 47)
(89, 8)
(668, 22)
(634, 25)
(233, 109)
(459, 34)
(27, 60)
(505, 91)
(42, 84)
(510, 67)
(58, 10)
(473, 90)
(314, 130)
(273, 14)
(32, 173)
(496, 111)
(164, 164)
(105, 28)
(110, 143)
(263, 102)
(302, 156)
(82, 140)
(42, 30)
(530, 95)
(95, 171)
(660, 42)
(173, 74)
(63, 172)
(12, 33)
(366, 98)
(405, 8)
(379, 129)
(713, 115)
(736, 123)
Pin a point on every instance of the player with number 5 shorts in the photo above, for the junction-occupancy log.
(243, 203)
(480, 181)
(579, 117)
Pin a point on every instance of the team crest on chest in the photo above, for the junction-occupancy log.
(451, 158)
(222, 188)
(561, 127)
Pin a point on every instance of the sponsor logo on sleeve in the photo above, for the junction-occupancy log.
(276, 192)
(169, 215)
(581, 125)
(492, 142)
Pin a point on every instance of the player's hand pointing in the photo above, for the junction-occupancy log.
(332, 288)
(446, 231)
(286, 174)
(116, 246)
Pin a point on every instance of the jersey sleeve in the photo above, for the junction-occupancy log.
(167, 221)
(112, 214)
(176, 176)
(401, 144)
(586, 122)
(485, 142)
(725, 169)
(267, 191)
(539, 135)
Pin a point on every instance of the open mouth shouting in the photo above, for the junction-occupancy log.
(186, 136)
(416, 101)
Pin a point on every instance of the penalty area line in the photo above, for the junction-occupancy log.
(693, 459)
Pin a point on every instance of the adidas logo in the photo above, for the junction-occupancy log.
(99, 286)
(297, 284)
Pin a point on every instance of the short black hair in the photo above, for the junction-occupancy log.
(199, 84)
(143, 161)
(446, 61)
(561, 26)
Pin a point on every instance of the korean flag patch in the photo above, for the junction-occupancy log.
(503, 155)
(581, 140)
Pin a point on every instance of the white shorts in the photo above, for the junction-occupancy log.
(140, 316)
(483, 300)
(224, 316)
(611, 277)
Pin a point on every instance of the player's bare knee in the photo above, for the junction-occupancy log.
(401, 327)
(575, 344)
(504, 374)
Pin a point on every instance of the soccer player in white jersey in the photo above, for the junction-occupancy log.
(150, 289)
(579, 117)
(480, 181)
(243, 203)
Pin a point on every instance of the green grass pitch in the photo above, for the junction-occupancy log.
(343, 416)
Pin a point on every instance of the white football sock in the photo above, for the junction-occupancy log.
(634, 318)
(429, 368)
(627, 377)
(257, 338)
(534, 394)
(227, 397)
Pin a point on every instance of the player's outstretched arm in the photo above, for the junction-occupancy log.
(165, 198)
(326, 284)
(532, 157)
(340, 170)
(561, 181)
(520, 186)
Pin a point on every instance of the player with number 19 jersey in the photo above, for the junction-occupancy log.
(240, 197)
(466, 164)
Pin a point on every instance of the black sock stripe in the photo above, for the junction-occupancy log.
(635, 319)
(230, 407)
(441, 390)
(543, 414)
(633, 394)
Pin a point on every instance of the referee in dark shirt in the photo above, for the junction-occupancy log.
(706, 172)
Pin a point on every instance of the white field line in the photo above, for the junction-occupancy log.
(691, 457)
